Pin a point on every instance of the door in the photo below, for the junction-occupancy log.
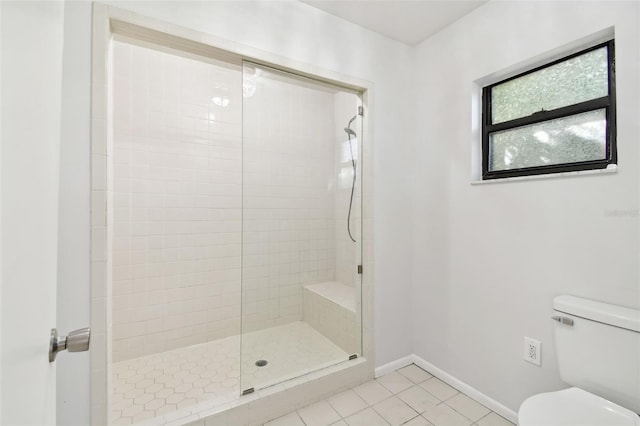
(31, 73)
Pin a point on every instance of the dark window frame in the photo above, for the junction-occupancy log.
(607, 102)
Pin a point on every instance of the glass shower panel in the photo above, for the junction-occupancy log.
(301, 227)
(176, 261)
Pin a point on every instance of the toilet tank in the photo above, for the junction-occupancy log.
(600, 352)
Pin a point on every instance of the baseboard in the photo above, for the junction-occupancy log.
(471, 392)
(392, 366)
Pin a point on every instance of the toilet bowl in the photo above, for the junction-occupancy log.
(598, 353)
(574, 407)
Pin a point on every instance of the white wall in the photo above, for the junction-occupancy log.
(488, 259)
(302, 33)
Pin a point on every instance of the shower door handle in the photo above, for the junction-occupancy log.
(75, 341)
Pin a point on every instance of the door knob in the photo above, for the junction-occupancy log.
(76, 341)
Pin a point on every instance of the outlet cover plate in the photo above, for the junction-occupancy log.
(532, 350)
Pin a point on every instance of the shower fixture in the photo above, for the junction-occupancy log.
(351, 133)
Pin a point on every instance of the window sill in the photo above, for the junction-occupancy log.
(612, 168)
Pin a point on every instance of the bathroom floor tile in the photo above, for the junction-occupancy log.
(430, 402)
(319, 414)
(492, 419)
(394, 411)
(372, 392)
(414, 373)
(407, 397)
(438, 388)
(418, 399)
(395, 382)
(347, 403)
(418, 421)
(467, 407)
(291, 419)
(366, 417)
(443, 415)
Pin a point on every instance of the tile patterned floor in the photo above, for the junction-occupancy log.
(150, 386)
(409, 396)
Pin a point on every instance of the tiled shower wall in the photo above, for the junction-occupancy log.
(177, 201)
(288, 195)
(180, 182)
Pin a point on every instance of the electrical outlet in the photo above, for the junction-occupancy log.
(532, 352)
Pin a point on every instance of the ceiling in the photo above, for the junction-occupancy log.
(407, 21)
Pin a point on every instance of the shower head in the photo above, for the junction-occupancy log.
(348, 128)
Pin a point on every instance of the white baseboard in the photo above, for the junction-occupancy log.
(392, 366)
(471, 392)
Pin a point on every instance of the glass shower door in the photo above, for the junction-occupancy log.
(301, 227)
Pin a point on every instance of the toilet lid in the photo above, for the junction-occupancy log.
(574, 407)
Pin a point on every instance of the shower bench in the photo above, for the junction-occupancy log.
(330, 308)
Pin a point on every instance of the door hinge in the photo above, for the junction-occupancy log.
(361, 111)
(360, 269)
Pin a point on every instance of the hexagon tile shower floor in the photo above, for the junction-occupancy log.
(153, 385)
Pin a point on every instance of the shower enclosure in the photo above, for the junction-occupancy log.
(236, 229)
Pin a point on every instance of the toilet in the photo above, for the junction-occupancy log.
(598, 352)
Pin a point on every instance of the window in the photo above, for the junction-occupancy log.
(556, 118)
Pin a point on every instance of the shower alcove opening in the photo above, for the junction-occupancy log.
(231, 223)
